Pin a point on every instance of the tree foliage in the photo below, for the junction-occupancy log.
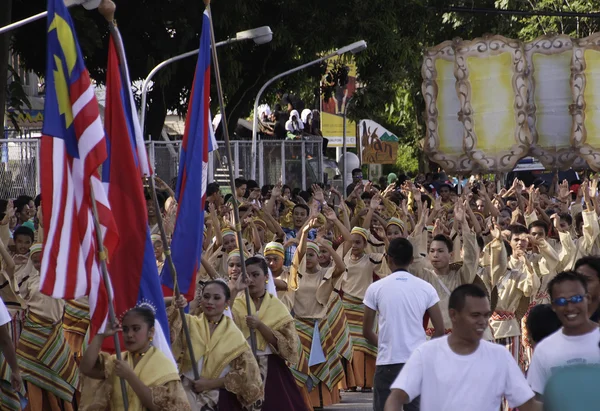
(396, 31)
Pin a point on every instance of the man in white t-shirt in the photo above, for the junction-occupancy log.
(576, 343)
(8, 349)
(461, 371)
(400, 300)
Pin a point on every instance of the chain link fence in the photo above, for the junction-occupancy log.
(19, 167)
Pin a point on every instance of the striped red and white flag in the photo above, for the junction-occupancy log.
(72, 149)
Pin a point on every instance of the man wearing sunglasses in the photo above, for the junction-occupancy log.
(576, 343)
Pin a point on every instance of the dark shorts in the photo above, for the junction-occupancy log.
(385, 375)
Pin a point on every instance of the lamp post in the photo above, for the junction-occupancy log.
(352, 48)
(87, 4)
(345, 148)
(260, 35)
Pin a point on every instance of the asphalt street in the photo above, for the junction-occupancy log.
(354, 401)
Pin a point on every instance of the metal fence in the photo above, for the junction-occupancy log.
(295, 163)
(19, 167)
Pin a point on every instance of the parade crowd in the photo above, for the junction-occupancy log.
(433, 296)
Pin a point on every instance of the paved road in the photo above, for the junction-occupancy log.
(354, 401)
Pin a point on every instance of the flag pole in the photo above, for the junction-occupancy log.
(236, 211)
(111, 309)
(173, 270)
(107, 9)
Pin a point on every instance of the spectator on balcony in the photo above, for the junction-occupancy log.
(294, 125)
(306, 118)
(290, 101)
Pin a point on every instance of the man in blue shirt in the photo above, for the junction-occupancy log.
(299, 217)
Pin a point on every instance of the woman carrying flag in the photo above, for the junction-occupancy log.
(152, 378)
(277, 339)
(229, 374)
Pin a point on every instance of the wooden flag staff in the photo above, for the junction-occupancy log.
(107, 9)
(236, 210)
(111, 309)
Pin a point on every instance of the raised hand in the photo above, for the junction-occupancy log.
(556, 221)
(276, 191)
(318, 193)
(495, 231)
(563, 190)
(329, 213)
(438, 227)
(375, 202)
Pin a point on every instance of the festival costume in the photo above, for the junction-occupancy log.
(287, 296)
(46, 360)
(355, 281)
(76, 322)
(281, 390)
(445, 284)
(154, 369)
(9, 293)
(319, 369)
(512, 284)
(340, 332)
(224, 354)
(544, 264)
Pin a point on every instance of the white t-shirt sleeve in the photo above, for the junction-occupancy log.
(410, 378)
(516, 389)
(370, 300)
(433, 296)
(537, 374)
(4, 315)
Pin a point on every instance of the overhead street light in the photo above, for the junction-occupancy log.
(353, 48)
(260, 35)
(87, 4)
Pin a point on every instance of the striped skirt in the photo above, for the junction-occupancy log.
(76, 318)
(355, 312)
(46, 359)
(9, 400)
(330, 372)
(340, 329)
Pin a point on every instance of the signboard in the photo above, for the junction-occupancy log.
(377, 144)
(341, 76)
(30, 119)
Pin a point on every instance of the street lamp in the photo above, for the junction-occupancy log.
(260, 35)
(352, 48)
(88, 4)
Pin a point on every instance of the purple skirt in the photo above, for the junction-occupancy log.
(281, 390)
(228, 401)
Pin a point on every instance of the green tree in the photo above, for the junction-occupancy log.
(396, 31)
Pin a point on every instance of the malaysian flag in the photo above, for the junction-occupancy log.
(193, 174)
(73, 147)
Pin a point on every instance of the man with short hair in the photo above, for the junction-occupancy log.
(400, 301)
(542, 262)
(240, 188)
(438, 271)
(589, 267)
(461, 371)
(357, 178)
(576, 343)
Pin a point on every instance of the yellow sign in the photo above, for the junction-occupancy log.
(332, 127)
(341, 77)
